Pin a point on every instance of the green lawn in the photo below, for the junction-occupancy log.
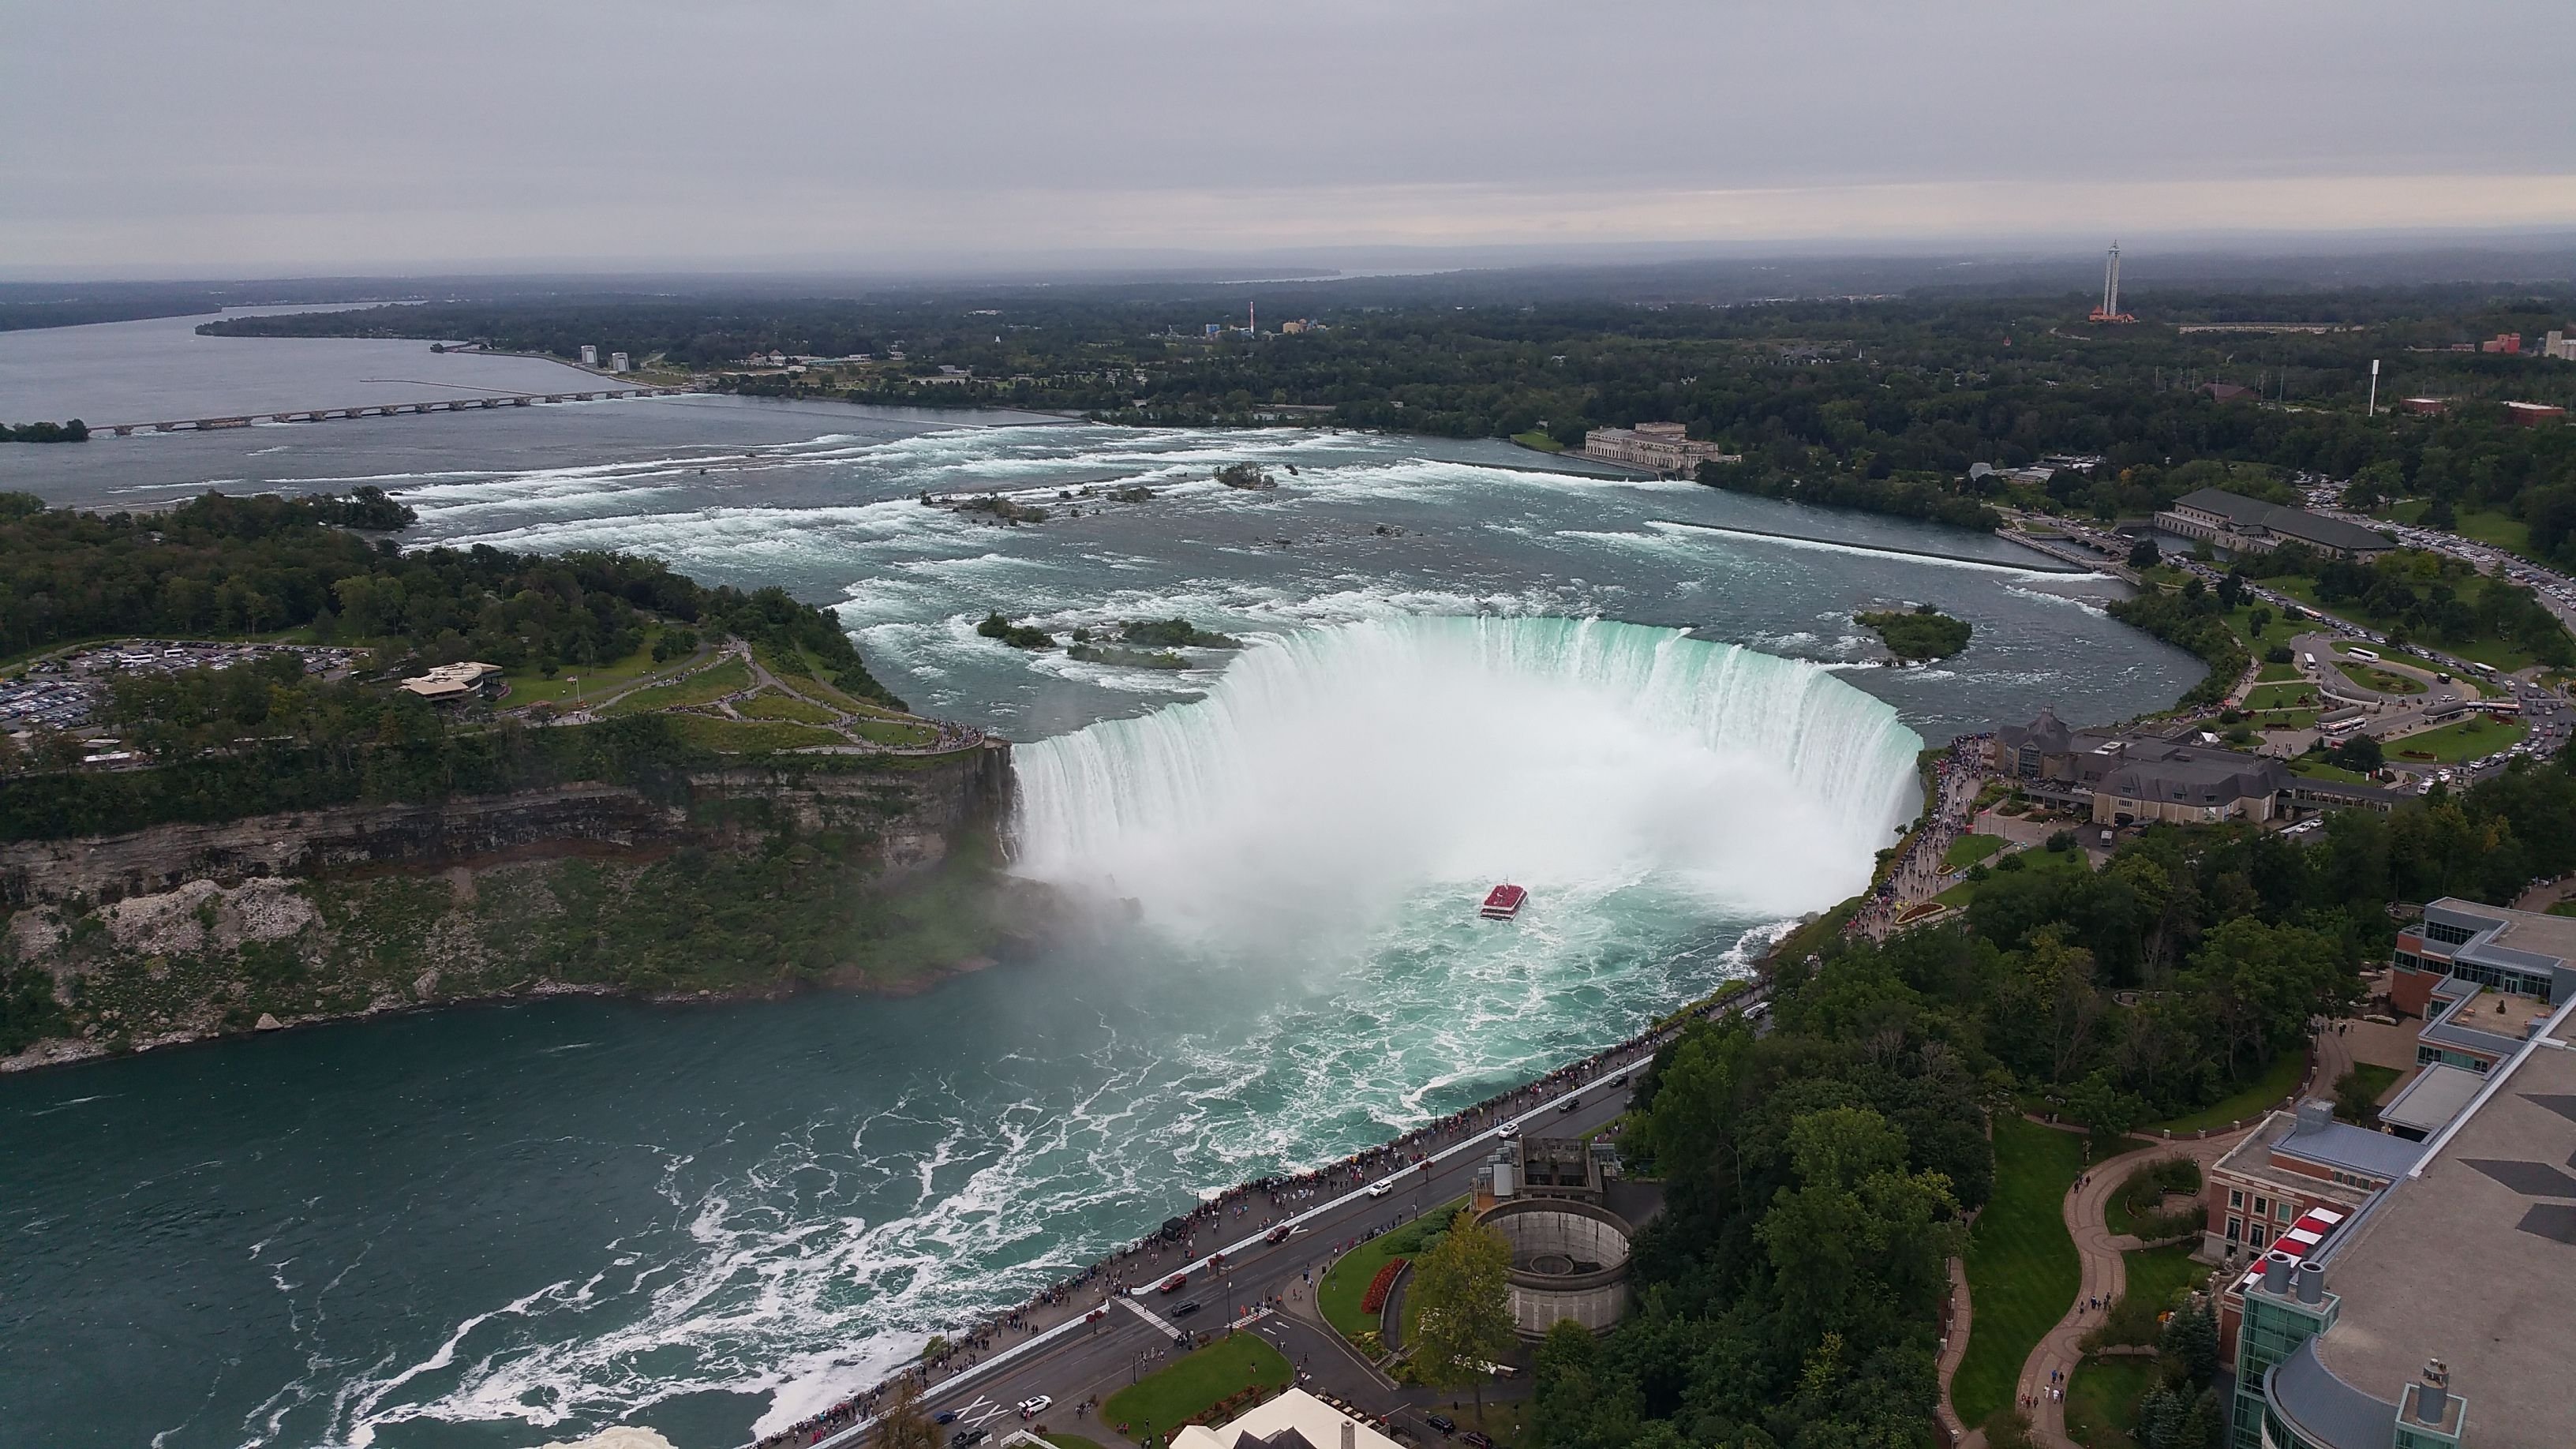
(894, 732)
(698, 688)
(1959, 895)
(1165, 1400)
(2277, 674)
(1969, 849)
(2281, 696)
(2386, 681)
(2316, 768)
(2496, 529)
(756, 736)
(770, 704)
(2022, 1269)
(527, 686)
(2486, 650)
(2453, 743)
(2379, 1079)
(2158, 1274)
(1347, 1281)
(2102, 1400)
(1538, 440)
(2271, 1087)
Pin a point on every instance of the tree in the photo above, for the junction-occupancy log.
(2361, 753)
(1859, 1241)
(2106, 1109)
(1461, 1298)
(904, 1424)
(2356, 1100)
(2144, 554)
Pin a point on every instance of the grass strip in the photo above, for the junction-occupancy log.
(1195, 1383)
(2022, 1268)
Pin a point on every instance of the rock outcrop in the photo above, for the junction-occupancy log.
(875, 872)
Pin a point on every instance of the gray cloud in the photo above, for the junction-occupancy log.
(284, 133)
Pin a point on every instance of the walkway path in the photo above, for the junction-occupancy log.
(2105, 1276)
(1917, 874)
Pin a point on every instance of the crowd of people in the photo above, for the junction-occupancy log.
(1920, 870)
(1264, 1201)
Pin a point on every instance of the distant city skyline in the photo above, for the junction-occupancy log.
(284, 135)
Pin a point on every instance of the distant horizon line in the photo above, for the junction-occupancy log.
(1322, 263)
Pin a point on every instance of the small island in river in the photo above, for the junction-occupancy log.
(1924, 634)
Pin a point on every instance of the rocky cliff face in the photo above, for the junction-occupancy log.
(863, 873)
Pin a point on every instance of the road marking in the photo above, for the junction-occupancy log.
(1147, 1314)
(969, 1417)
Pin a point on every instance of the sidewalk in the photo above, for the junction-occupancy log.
(2105, 1275)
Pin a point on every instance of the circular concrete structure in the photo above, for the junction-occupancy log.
(1569, 1260)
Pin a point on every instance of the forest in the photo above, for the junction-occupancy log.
(221, 566)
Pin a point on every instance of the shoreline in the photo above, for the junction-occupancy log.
(70, 1052)
(1292, 1197)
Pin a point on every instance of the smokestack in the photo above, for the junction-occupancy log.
(2276, 1271)
(1350, 1435)
(2312, 1281)
(2372, 410)
(2433, 1396)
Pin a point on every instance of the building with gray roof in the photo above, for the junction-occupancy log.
(2249, 525)
(2439, 1315)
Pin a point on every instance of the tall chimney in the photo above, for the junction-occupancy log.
(1350, 1434)
(2433, 1398)
(2276, 1271)
(2312, 1281)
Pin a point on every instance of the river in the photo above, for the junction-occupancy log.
(498, 1225)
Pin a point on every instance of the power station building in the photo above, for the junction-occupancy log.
(2249, 525)
(1663, 447)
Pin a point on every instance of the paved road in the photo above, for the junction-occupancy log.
(1097, 1353)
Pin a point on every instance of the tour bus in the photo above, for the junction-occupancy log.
(2357, 652)
(2486, 669)
(2337, 729)
(2308, 662)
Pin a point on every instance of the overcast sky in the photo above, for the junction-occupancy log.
(259, 136)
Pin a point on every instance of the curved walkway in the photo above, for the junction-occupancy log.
(2105, 1275)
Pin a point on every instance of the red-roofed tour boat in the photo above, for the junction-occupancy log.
(1503, 902)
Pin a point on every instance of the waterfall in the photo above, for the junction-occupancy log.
(1341, 770)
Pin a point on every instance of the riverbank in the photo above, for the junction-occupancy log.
(1242, 1211)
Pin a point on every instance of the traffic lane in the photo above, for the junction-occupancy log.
(1598, 1105)
(1084, 1361)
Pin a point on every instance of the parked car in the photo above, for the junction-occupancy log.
(944, 1417)
(1442, 1423)
(1473, 1439)
(1035, 1404)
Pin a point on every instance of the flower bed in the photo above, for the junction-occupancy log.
(1375, 1298)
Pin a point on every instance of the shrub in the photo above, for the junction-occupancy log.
(1374, 1299)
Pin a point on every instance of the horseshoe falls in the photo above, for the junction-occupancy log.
(1336, 774)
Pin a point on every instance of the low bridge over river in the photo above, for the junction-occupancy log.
(385, 410)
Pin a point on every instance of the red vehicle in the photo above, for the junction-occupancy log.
(1278, 1234)
(1503, 902)
(1175, 1283)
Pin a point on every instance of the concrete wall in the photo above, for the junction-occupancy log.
(1552, 1227)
